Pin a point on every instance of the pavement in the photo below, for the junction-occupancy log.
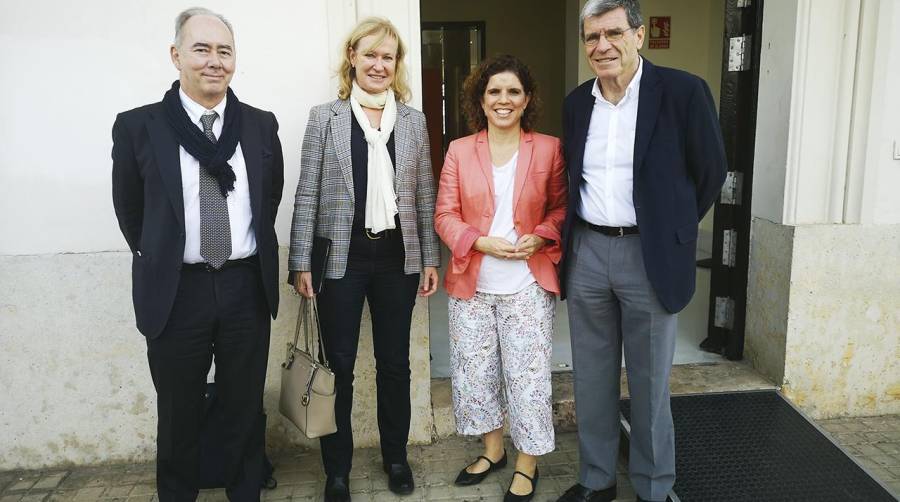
(873, 441)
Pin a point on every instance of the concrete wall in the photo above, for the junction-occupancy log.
(822, 308)
(533, 31)
(74, 383)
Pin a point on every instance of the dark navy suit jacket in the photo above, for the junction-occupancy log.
(679, 168)
(149, 204)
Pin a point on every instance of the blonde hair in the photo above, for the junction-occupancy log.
(373, 26)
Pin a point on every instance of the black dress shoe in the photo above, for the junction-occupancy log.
(467, 478)
(578, 493)
(512, 497)
(337, 489)
(400, 478)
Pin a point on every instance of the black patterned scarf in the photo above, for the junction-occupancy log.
(212, 156)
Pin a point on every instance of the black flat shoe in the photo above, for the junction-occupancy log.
(400, 478)
(512, 497)
(578, 493)
(337, 489)
(467, 478)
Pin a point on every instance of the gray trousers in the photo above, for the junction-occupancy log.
(611, 303)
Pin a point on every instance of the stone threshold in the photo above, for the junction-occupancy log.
(724, 376)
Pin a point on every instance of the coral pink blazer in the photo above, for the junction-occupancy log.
(465, 206)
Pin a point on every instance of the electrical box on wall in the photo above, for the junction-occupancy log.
(896, 150)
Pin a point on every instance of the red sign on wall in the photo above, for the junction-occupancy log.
(660, 31)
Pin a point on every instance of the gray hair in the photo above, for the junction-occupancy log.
(594, 8)
(197, 11)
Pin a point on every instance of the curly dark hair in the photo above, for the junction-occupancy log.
(476, 83)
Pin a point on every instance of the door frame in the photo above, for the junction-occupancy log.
(732, 218)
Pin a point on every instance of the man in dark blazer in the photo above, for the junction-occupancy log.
(646, 161)
(197, 179)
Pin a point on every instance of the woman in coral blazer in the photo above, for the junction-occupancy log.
(500, 207)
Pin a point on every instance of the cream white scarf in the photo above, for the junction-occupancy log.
(381, 201)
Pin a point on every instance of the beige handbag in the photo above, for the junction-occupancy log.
(307, 383)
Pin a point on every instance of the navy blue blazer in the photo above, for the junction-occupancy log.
(679, 168)
(149, 204)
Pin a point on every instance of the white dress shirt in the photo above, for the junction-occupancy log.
(243, 240)
(497, 276)
(608, 169)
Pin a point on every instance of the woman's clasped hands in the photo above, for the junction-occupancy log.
(498, 247)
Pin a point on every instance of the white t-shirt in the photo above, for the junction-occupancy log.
(498, 276)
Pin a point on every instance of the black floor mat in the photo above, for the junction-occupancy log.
(754, 446)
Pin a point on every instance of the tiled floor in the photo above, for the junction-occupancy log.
(875, 442)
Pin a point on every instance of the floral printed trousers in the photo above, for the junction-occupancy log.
(500, 349)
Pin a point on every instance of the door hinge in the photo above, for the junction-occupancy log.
(724, 313)
(729, 247)
(744, 3)
(732, 189)
(739, 53)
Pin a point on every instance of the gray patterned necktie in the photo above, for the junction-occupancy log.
(215, 228)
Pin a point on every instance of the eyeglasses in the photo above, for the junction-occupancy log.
(611, 35)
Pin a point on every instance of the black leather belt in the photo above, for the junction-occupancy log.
(610, 231)
(206, 267)
(389, 233)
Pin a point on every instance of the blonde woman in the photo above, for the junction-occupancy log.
(366, 184)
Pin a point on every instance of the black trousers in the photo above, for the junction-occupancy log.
(374, 273)
(224, 313)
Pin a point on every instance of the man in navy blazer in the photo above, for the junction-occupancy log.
(646, 161)
(196, 183)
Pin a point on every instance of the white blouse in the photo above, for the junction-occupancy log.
(498, 276)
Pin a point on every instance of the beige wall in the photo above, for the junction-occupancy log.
(534, 31)
(823, 318)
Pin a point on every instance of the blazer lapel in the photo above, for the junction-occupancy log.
(523, 165)
(483, 151)
(340, 134)
(584, 107)
(404, 151)
(251, 146)
(648, 109)
(168, 160)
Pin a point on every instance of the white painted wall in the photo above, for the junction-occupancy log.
(74, 383)
(827, 114)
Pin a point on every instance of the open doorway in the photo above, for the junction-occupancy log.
(687, 35)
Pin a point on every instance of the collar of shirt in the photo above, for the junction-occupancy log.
(632, 90)
(195, 110)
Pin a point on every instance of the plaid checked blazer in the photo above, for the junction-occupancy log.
(324, 201)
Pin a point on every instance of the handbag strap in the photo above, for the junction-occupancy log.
(314, 322)
(309, 312)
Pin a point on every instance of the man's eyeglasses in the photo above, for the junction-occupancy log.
(611, 35)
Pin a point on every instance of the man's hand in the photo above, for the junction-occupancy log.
(498, 247)
(530, 244)
(303, 284)
(429, 283)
